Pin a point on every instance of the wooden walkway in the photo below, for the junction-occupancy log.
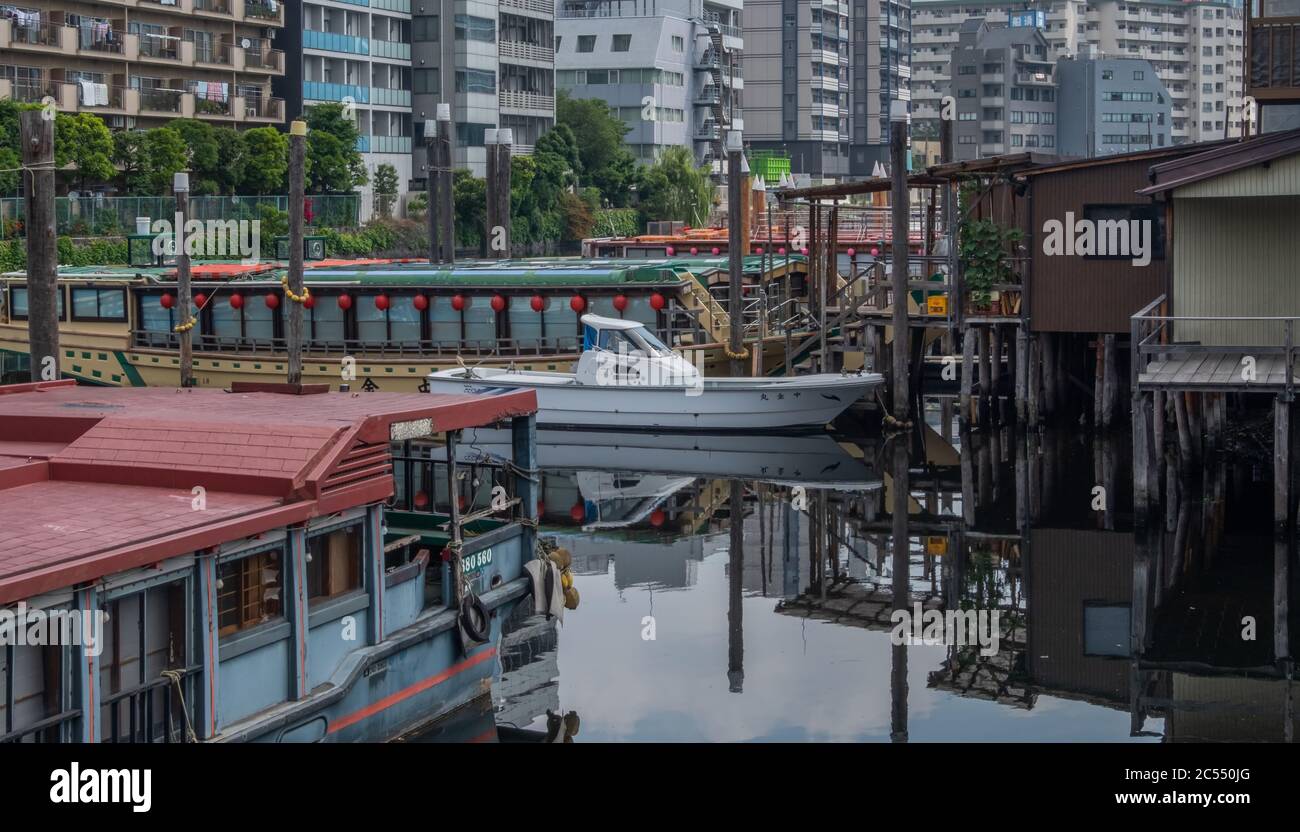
(1212, 371)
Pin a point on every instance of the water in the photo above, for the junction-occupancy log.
(687, 632)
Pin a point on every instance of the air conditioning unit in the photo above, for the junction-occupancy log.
(250, 112)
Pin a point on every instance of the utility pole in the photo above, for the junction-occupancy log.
(431, 187)
(898, 118)
(736, 249)
(296, 286)
(184, 291)
(37, 139)
(497, 239)
(447, 208)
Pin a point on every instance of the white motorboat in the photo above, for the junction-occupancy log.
(628, 379)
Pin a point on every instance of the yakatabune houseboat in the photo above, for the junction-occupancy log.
(250, 581)
(390, 323)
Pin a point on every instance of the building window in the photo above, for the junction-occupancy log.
(476, 80)
(99, 304)
(335, 565)
(1139, 75)
(1107, 74)
(679, 44)
(425, 81)
(586, 43)
(482, 29)
(622, 43)
(250, 591)
(1154, 214)
(424, 29)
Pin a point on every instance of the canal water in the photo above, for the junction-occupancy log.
(745, 589)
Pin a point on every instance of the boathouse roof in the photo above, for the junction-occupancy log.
(96, 480)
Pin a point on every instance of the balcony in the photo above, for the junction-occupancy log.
(323, 91)
(217, 8)
(708, 132)
(264, 11)
(162, 100)
(216, 54)
(270, 60)
(1274, 69)
(262, 108)
(390, 144)
(512, 50)
(708, 95)
(38, 36)
(403, 6)
(387, 97)
(1034, 79)
(396, 50)
(534, 8)
(160, 48)
(332, 42)
(512, 100)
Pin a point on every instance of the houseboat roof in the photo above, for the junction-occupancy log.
(1221, 159)
(95, 480)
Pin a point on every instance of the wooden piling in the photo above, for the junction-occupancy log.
(184, 288)
(1142, 457)
(1185, 446)
(736, 251)
(1281, 466)
(967, 374)
(898, 251)
(36, 135)
(297, 189)
(1050, 371)
(1098, 382)
(1021, 375)
(1033, 380)
(1110, 381)
(995, 368)
(986, 375)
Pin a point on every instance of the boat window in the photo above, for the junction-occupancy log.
(251, 591)
(31, 688)
(18, 302)
(226, 321)
(481, 324)
(647, 342)
(99, 304)
(525, 324)
(616, 340)
(444, 324)
(154, 318)
(399, 323)
(327, 320)
(561, 324)
(335, 565)
(259, 320)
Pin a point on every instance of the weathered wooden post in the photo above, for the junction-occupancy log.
(1110, 381)
(184, 290)
(431, 188)
(898, 121)
(967, 373)
(491, 194)
(296, 287)
(735, 591)
(736, 250)
(498, 192)
(447, 210)
(37, 139)
(900, 590)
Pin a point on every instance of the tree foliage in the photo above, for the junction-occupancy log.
(334, 164)
(604, 160)
(266, 161)
(84, 142)
(676, 189)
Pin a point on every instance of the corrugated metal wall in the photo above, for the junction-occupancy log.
(1073, 294)
(1279, 178)
(1236, 257)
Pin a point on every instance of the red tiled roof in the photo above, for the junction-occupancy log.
(96, 480)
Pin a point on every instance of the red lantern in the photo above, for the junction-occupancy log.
(309, 302)
(421, 303)
(461, 502)
(657, 517)
(200, 300)
(421, 500)
(236, 301)
(620, 302)
(167, 301)
(577, 303)
(578, 512)
(381, 302)
(272, 300)
(758, 250)
(853, 252)
(458, 303)
(345, 302)
(781, 250)
(875, 252)
(658, 301)
(498, 303)
(804, 251)
(694, 251)
(538, 303)
(671, 251)
(716, 251)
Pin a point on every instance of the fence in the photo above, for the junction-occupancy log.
(101, 216)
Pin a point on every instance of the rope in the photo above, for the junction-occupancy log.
(303, 298)
(175, 676)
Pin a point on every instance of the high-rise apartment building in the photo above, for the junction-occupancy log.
(821, 75)
(142, 63)
(671, 69)
(494, 62)
(1196, 48)
(1005, 91)
(358, 53)
(1111, 105)
(1273, 43)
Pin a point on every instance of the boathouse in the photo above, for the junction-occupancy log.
(235, 549)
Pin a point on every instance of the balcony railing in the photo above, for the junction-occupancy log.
(159, 46)
(263, 9)
(32, 92)
(99, 96)
(262, 107)
(161, 100)
(390, 49)
(332, 42)
(388, 97)
(212, 6)
(37, 34)
(526, 100)
(390, 144)
(269, 59)
(392, 5)
(521, 51)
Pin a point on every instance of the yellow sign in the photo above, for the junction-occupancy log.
(936, 545)
(937, 305)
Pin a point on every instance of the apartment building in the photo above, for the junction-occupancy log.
(494, 62)
(1273, 42)
(821, 75)
(1005, 91)
(670, 68)
(1111, 105)
(358, 53)
(141, 63)
(1197, 49)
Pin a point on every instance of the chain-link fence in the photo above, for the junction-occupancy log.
(114, 216)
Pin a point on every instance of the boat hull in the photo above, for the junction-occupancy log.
(718, 405)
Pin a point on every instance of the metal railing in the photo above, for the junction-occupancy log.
(37, 34)
(153, 711)
(212, 6)
(526, 100)
(48, 730)
(524, 51)
(161, 99)
(158, 46)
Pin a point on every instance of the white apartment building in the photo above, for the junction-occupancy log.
(1197, 49)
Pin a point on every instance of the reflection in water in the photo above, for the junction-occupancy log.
(782, 564)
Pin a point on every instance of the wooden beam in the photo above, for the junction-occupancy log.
(36, 135)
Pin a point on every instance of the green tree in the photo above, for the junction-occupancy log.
(605, 162)
(385, 189)
(334, 164)
(469, 195)
(162, 155)
(83, 141)
(9, 157)
(232, 158)
(127, 147)
(266, 161)
(204, 153)
(676, 189)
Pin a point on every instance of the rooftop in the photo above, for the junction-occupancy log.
(96, 480)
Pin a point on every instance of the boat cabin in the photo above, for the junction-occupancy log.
(208, 565)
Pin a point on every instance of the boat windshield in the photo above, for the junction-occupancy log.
(649, 342)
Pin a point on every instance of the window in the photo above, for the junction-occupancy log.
(622, 43)
(399, 323)
(18, 302)
(1153, 214)
(1106, 630)
(1139, 75)
(586, 43)
(424, 29)
(476, 80)
(425, 81)
(1107, 74)
(99, 304)
(482, 29)
(249, 591)
(679, 43)
(334, 567)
